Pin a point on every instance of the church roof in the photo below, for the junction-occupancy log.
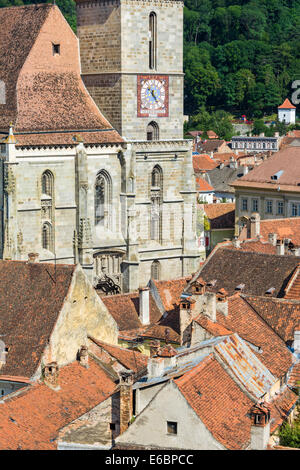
(287, 105)
(44, 92)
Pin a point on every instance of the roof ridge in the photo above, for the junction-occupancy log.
(181, 381)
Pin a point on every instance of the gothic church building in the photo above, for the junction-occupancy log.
(93, 165)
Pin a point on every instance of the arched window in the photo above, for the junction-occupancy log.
(152, 131)
(47, 183)
(156, 177)
(156, 203)
(152, 40)
(155, 270)
(47, 239)
(102, 199)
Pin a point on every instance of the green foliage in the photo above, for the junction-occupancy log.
(218, 121)
(250, 48)
(290, 435)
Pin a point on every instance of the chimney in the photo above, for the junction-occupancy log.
(272, 238)
(222, 302)
(245, 170)
(186, 306)
(154, 347)
(83, 356)
(155, 366)
(254, 225)
(144, 307)
(280, 248)
(126, 399)
(296, 344)
(236, 242)
(3, 354)
(260, 426)
(33, 258)
(50, 375)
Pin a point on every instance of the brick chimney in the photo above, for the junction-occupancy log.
(50, 375)
(280, 247)
(33, 258)
(260, 426)
(144, 305)
(126, 399)
(254, 225)
(83, 356)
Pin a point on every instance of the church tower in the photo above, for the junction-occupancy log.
(131, 63)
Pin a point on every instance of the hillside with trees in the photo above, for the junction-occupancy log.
(240, 56)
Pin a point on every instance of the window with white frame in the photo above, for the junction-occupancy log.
(295, 209)
(244, 204)
(254, 205)
(280, 207)
(269, 207)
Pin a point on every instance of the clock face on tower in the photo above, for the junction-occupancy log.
(153, 96)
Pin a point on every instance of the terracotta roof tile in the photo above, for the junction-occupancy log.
(220, 215)
(211, 145)
(203, 162)
(132, 360)
(31, 297)
(285, 228)
(203, 185)
(282, 315)
(212, 327)
(32, 419)
(280, 408)
(219, 402)
(257, 271)
(286, 160)
(287, 105)
(294, 377)
(245, 321)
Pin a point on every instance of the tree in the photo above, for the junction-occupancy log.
(290, 435)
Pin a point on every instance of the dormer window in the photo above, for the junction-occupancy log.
(56, 49)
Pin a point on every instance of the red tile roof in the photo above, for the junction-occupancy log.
(203, 185)
(44, 96)
(280, 407)
(31, 297)
(285, 228)
(294, 377)
(245, 321)
(286, 105)
(132, 360)
(125, 309)
(286, 160)
(219, 402)
(257, 246)
(213, 328)
(220, 215)
(282, 315)
(203, 162)
(33, 417)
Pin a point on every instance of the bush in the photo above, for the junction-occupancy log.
(290, 435)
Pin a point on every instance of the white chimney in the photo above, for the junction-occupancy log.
(280, 248)
(245, 170)
(260, 427)
(144, 307)
(272, 238)
(297, 340)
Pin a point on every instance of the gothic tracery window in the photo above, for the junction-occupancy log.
(156, 204)
(102, 199)
(47, 210)
(152, 131)
(155, 270)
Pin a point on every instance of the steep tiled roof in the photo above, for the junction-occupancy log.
(213, 328)
(203, 162)
(220, 215)
(44, 97)
(221, 178)
(280, 407)
(287, 161)
(125, 309)
(258, 246)
(244, 321)
(31, 297)
(211, 145)
(294, 377)
(202, 185)
(257, 271)
(287, 105)
(132, 360)
(282, 315)
(33, 417)
(170, 291)
(285, 228)
(219, 402)
(66, 138)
